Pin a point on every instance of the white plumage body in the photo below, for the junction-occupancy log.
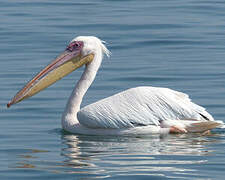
(141, 111)
(141, 106)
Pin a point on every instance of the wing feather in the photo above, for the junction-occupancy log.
(140, 106)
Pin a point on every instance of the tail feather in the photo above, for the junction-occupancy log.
(203, 126)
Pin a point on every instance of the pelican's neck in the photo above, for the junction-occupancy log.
(69, 117)
(76, 97)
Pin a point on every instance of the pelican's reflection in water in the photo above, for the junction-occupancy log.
(107, 156)
(74, 157)
(110, 156)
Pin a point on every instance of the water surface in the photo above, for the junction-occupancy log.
(174, 44)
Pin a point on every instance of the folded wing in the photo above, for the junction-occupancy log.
(141, 106)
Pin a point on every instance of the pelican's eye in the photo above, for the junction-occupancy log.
(75, 45)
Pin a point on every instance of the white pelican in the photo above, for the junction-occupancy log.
(140, 110)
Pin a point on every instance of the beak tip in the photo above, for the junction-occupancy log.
(9, 104)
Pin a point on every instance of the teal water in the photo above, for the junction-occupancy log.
(175, 44)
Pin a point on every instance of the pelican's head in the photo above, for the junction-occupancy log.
(82, 50)
(91, 44)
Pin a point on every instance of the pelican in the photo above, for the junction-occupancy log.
(136, 111)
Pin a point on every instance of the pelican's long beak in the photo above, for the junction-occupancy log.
(64, 64)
